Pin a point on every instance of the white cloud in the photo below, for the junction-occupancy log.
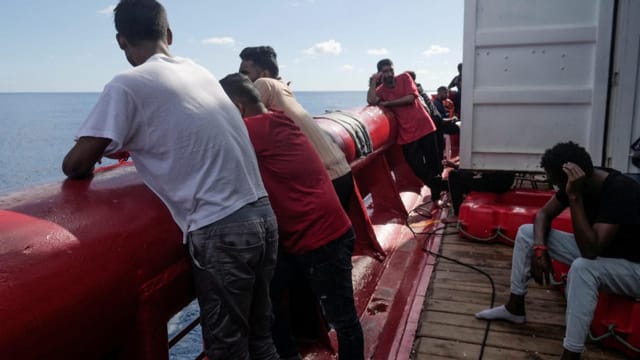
(378, 52)
(226, 40)
(326, 47)
(108, 10)
(435, 50)
(347, 67)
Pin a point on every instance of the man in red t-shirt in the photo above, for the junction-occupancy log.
(315, 233)
(416, 130)
(444, 105)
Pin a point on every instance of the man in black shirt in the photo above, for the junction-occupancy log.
(604, 250)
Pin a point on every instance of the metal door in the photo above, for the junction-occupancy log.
(535, 73)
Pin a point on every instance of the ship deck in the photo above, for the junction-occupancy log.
(447, 328)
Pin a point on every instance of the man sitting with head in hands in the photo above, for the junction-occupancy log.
(604, 251)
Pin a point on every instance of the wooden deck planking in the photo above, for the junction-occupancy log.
(448, 329)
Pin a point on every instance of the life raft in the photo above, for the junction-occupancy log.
(493, 217)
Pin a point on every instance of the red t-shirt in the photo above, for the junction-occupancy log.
(413, 120)
(450, 107)
(302, 196)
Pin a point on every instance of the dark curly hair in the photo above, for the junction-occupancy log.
(560, 154)
(262, 56)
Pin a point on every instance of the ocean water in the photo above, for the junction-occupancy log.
(37, 130)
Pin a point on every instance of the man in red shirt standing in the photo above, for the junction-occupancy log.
(416, 131)
(315, 236)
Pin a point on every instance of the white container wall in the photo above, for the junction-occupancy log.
(534, 73)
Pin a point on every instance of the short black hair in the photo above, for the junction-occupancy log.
(141, 20)
(262, 56)
(562, 153)
(384, 62)
(412, 74)
(459, 67)
(442, 88)
(239, 85)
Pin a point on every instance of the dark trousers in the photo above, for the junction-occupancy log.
(444, 127)
(462, 182)
(233, 261)
(343, 186)
(328, 272)
(425, 160)
(450, 128)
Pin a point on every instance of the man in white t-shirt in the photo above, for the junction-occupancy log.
(191, 147)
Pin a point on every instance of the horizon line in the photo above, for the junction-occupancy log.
(98, 92)
(428, 91)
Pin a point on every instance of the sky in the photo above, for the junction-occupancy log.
(322, 45)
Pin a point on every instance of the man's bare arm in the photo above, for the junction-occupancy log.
(542, 222)
(540, 261)
(81, 159)
(372, 99)
(590, 239)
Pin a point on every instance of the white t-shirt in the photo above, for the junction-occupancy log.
(185, 136)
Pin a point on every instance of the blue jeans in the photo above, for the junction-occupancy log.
(328, 272)
(233, 261)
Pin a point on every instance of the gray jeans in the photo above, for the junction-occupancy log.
(233, 262)
(586, 277)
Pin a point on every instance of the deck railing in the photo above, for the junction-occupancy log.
(95, 268)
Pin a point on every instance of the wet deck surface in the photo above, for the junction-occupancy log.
(448, 329)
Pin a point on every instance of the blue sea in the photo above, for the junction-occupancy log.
(37, 130)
